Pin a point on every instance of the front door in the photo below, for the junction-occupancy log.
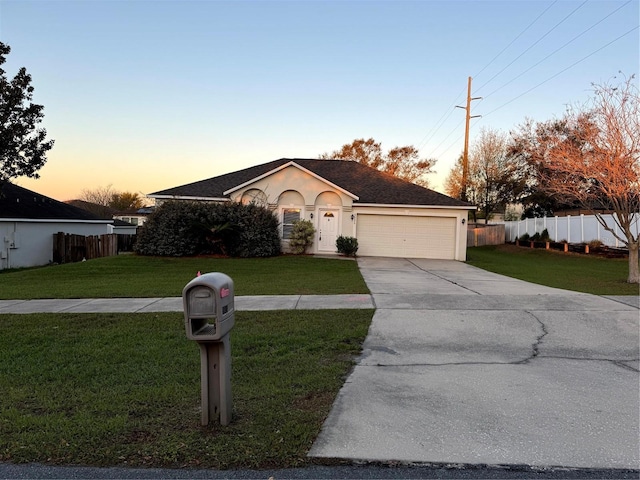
(328, 230)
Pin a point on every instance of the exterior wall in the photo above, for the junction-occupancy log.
(122, 230)
(292, 188)
(291, 178)
(29, 243)
(137, 220)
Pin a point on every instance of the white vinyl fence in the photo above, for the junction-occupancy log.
(573, 229)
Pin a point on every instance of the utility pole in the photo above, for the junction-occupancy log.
(465, 155)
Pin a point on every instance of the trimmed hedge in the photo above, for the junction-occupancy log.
(347, 246)
(179, 229)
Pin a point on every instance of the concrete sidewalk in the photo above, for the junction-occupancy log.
(463, 366)
(174, 304)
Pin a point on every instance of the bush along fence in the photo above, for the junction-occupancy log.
(581, 229)
(479, 235)
(69, 248)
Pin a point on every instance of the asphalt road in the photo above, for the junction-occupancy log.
(368, 471)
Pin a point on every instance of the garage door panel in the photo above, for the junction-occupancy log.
(406, 236)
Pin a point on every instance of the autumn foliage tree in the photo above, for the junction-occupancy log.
(495, 178)
(591, 158)
(401, 162)
(23, 146)
(109, 197)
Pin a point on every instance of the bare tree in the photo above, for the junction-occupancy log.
(592, 158)
(99, 196)
(109, 197)
(401, 162)
(494, 177)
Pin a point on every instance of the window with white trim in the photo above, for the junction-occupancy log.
(289, 215)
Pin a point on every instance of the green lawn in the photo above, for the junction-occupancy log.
(581, 273)
(137, 276)
(124, 389)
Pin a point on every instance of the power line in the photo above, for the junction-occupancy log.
(562, 71)
(534, 44)
(440, 122)
(517, 37)
(445, 116)
(473, 124)
(558, 49)
(445, 138)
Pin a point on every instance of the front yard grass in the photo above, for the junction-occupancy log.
(114, 389)
(138, 276)
(580, 273)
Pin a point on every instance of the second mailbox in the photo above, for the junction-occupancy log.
(208, 307)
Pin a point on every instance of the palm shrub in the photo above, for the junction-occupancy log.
(347, 246)
(301, 236)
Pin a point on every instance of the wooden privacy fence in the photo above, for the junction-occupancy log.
(69, 248)
(479, 235)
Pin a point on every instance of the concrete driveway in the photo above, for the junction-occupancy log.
(463, 366)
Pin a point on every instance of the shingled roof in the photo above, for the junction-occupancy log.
(370, 185)
(17, 202)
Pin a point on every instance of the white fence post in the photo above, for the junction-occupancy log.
(590, 228)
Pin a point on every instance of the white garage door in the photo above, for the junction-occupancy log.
(405, 236)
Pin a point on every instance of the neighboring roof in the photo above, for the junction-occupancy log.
(140, 212)
(107, 212)
(370, 185)
(101, 211)
(17, 202)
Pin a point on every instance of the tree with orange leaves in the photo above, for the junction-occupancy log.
(401, 162)
(591, 158)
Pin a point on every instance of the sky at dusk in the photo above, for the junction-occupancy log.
(148, 95)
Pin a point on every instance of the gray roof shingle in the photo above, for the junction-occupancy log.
(18, 202)
(370, 185)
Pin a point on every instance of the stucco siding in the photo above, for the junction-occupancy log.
(295, 179)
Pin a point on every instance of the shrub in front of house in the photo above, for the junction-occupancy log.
(347, 246)
(301, 236)
(170, 231)
(192, 228)
(257, 229)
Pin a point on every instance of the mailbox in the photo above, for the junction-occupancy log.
(208, 307)
(208, 317)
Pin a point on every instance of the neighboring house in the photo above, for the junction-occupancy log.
(389, 216)
(29, 220)
(134, 217)
(121, 227)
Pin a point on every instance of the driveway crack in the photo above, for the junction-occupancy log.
(535, 348)
(441, 277)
